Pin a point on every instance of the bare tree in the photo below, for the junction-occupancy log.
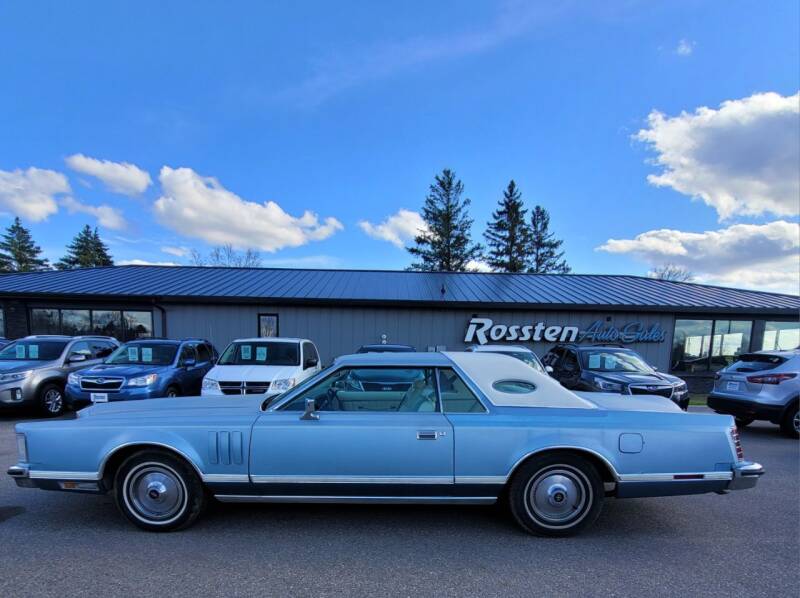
(225, 256)
(672, 272)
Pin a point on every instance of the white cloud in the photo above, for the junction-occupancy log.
(31, 194)
(398, 229)
(308, 261)
(176, 251)
(120, 177)
(739, 159)
(685, 47)
(478, 266)
(137, 262)
(106, 215)
(199, 207)
(759, 256)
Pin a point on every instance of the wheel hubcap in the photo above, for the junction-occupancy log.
(557, 497)
(53, 400)
(156, 493)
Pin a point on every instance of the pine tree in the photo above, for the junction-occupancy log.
(544, 249)
(87, 250)
(18, 252)
(446, 245)
(508, 235)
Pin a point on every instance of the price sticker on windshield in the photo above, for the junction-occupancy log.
(594, 361)
(133, 353)
(261, 353)
(33, 351)
(247, 352)
(147, 354)
(20, 351)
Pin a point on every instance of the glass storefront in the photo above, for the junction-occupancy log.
(781, 336)
(45, 321)
(731, 339)
(708, 345)
(76, 322)
(122, 325)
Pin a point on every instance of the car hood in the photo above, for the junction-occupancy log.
(618, 402)
(252, 373)
(652, 378)
(20, 366)
(124, 371)
(177, 407)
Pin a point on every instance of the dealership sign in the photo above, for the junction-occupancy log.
(484, 330)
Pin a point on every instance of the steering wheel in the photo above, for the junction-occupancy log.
(331, 401)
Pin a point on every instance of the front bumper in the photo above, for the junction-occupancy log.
(745, 409)
(75, 397)
(745, 475)
(16, 393)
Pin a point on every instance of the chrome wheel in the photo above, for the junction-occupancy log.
(558, 496)
(53, 401)
(155, 493)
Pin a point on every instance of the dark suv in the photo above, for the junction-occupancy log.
(606, 368)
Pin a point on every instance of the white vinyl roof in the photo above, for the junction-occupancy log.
(487, 368)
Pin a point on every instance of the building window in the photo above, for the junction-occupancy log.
(267, 325)
(708, 345)
(138, 324)
(781, 336)
(45, 321)
(107, 323)
(122, 325)
(76, 322)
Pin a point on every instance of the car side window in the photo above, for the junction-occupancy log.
(102, 349)
(456, 395)
(203, 353)
(309, 352)
(569, 364)
(187, 353)
(372, 390)
(81, 348)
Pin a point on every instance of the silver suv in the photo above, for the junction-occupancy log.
(764, 386)
(34, 369)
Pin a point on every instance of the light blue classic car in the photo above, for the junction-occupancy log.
(390, 428)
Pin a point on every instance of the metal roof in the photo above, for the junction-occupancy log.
(353, 287)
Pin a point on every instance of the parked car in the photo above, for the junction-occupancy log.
(763, 386)
(454, 428)
(262, 366)
(34, 369)
(4, 341)
(612, 369)
(385, 348)
(517, 351)
(144, 369)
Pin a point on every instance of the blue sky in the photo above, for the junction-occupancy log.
(345, 112)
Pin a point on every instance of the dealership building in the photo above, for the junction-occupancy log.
(689, 329)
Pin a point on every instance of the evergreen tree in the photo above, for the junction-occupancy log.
(508, 235)
(544, 249)
(18, 252)
(87, 250)
(446, 245)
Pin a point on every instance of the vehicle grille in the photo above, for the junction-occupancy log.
(101, 383)
(244, 388)
(650, 389)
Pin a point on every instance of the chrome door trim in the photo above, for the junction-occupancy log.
(226, 477)
(388, 500)
(676, 477)
(343, 479)
(481, 479)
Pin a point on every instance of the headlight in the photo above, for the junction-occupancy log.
(143, 380)
(22, 448)
(680, 388)
(15, 376)
(211, 385)
(607, 385)
(282, 385)
(74, 379)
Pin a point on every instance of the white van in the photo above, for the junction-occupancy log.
(262, 366)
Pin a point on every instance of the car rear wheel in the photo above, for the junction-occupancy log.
(51, 400)
(556, 495)
(158, 492)
(743, 422)
(791, 423)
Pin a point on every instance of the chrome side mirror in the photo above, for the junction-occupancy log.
(311, 410)
(548, 369)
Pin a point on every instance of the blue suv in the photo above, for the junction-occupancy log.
(144, 369)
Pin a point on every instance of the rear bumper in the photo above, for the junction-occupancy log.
(745, 475)
(74, 481)
(745, 409)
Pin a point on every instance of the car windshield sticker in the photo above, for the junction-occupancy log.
(133, 353)
(247, 352)
(33, 351)
(594, 361)
(147, 354)
(261, 353)
(20, 351)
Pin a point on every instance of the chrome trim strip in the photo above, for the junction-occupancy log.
(64, 475)
(226, 477)
(389, 500)
(344, 479)
(481, 479)
(670, 477)
(579, 449)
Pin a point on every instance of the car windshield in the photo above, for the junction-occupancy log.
(261, 353)
(528, 358)
(143, 354)
(608, 360)
(33, 350)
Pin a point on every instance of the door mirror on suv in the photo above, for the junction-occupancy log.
(311, 362)
(76, 357)
(549, 369)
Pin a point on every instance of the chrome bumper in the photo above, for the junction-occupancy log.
(21, 476)
(745, 475)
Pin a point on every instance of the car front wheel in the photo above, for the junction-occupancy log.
(158, 492)
(51, 400)
(556, 495)
(790, 425)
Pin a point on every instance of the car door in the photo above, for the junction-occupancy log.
(375, 432)
(193, 372)
(310, 362)
(205, 361)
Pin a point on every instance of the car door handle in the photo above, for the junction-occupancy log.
(429, 434)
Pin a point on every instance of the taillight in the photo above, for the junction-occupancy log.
(770, 378)
(737, 444)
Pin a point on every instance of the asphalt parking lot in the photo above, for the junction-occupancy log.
(745, 543)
